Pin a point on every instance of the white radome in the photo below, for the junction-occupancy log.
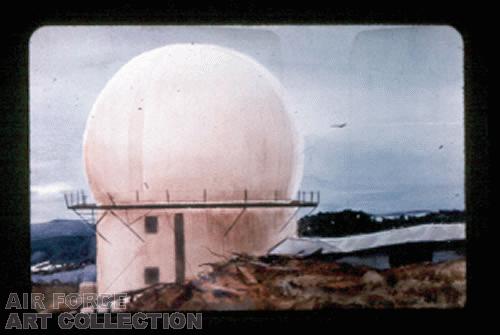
(176, 121)
(185, 118)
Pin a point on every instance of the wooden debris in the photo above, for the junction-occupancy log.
(248, 278)
(276, 283)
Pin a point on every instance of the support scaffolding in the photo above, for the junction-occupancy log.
(77, 202)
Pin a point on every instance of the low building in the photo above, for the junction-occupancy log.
(385, 249)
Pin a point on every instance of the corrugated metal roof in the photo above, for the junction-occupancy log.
(421, 233)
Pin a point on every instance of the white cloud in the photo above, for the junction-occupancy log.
(50, 189)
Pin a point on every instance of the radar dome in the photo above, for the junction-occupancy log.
(186, 123)
(187, 118)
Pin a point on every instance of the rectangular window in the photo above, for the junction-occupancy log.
(151, 223)
(151, 275)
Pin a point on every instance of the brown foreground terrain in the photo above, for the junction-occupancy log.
(277, 283)
(48, 291)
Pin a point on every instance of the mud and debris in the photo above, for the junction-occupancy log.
(291, 283)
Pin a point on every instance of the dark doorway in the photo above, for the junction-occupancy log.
(180, 256)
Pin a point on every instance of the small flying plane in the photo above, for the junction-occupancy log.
(338, 125)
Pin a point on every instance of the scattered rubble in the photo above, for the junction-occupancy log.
(281, 282)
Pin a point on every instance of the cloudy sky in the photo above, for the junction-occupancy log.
(399, 90)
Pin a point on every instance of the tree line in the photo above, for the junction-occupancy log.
(350, 222)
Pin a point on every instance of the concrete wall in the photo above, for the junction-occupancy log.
(121, 263)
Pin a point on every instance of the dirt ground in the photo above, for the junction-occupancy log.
(288, 283)
(49, 289)
(282, 283)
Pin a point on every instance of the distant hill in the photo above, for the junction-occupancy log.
(63, 241)
(58, 228)
(349, 222)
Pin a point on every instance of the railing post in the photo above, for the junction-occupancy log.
(246, 195)
(205, 195)
(137, 196)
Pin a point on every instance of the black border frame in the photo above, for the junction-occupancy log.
(14, 136)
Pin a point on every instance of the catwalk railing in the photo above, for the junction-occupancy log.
(170, 200)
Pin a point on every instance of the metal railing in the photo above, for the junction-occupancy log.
(78, 199)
